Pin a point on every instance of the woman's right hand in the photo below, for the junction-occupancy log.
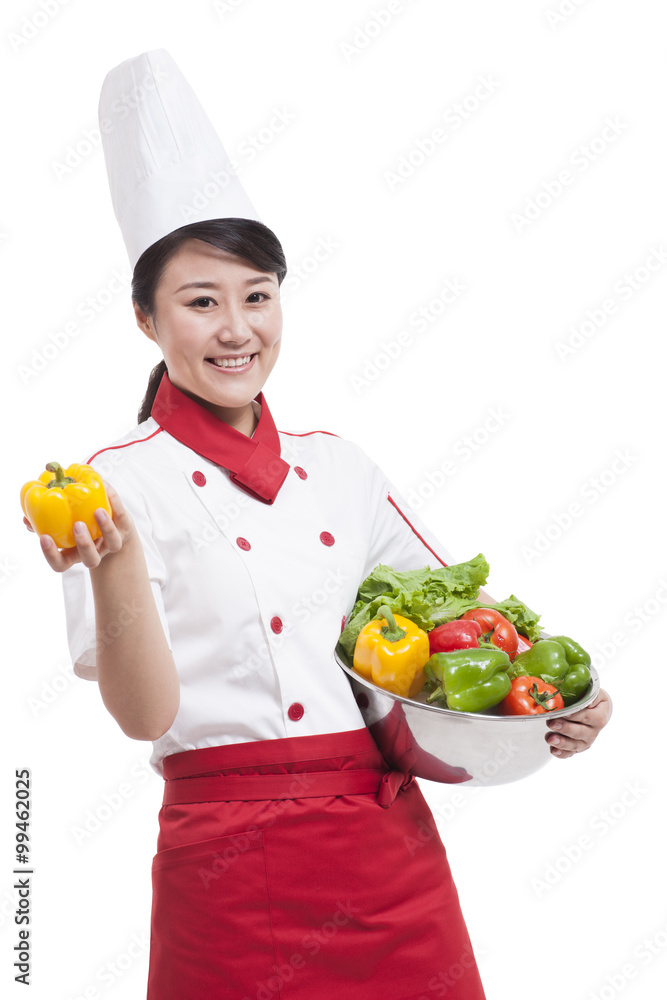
(116, 532)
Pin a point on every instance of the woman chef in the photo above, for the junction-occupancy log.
(209, 610)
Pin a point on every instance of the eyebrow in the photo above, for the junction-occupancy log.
(214, 284)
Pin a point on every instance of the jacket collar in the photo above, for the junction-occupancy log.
(254, 463)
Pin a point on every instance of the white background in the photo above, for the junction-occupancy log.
(360, 97)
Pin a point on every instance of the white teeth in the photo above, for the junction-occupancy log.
(231, 362)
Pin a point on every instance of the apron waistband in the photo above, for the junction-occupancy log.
(344, 763)
(295, 785)
(251, 753)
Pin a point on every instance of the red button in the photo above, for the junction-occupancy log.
(243, 543)
(327, 538)
(301, 473)
(276, 625)
(199, 478)
(295, 711)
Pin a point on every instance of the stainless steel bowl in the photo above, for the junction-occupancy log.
(453, 747)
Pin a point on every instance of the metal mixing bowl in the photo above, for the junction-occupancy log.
(452, 747)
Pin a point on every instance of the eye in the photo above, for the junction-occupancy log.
(252, 294)
(201, 300)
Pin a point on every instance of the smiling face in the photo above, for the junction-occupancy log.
(218, 322)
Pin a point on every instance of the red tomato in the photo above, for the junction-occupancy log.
(530, 696)
(495, 629)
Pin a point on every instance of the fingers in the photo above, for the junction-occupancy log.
(87, 549)
(596, 714)
(569, 738)
(28, 524)
(93, 550)
(121, 518)
(58, 560)
(575, 733)
(586, 717)
(113, 539)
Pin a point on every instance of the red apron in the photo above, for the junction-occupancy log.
(302, 869)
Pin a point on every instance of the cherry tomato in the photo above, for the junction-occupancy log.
(495, 629)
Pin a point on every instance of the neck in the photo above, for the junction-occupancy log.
(239, 418)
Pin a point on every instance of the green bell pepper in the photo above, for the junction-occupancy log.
(574, 652)
(471, 680)
(559, 661)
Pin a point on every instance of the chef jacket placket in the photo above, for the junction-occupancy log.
(248, 543)
(244, 540)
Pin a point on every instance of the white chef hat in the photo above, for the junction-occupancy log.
(165, 162)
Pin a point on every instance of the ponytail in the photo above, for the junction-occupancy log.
(151, 391)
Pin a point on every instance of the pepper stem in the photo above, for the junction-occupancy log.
(61, 479)
(391, 631)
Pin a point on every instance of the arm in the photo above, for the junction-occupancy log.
(136, 670)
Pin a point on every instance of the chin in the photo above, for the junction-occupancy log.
(234, 398)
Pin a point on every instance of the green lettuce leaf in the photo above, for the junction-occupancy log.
(428, 597)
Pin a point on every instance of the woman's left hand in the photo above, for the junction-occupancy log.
(571, 734)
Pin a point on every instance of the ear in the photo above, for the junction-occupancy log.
(144, 323)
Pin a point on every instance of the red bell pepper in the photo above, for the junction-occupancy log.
(524, 644)
(454, 635)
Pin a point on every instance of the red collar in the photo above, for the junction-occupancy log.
(254, 463)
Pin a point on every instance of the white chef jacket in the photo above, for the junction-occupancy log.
(251, 594)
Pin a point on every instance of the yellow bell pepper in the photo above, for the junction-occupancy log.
(391, 651)
(60, 497)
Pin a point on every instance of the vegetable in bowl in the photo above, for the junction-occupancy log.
(464, 653)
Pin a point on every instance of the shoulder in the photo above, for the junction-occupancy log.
(129, 454)
(138, 435)
(323, 445)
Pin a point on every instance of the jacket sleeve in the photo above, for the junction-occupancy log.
(82, 636)
(398, 537)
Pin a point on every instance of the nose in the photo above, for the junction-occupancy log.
(233, 327)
